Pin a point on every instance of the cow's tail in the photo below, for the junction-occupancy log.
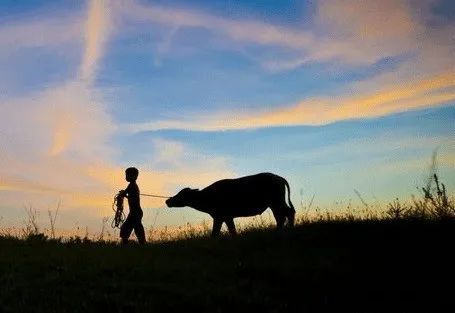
(291, 214)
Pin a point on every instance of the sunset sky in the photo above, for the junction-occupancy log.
(334, 95)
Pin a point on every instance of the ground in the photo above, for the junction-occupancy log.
(357, 266)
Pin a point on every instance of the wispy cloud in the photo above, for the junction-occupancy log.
(247, 31)
(341, 30)
(425, 93)
(96, 34)
(51, 32)
(360, 35)
(165, 45)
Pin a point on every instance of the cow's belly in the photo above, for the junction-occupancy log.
(238, 201)
(240, 211)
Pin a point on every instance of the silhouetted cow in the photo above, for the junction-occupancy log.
(245, 196)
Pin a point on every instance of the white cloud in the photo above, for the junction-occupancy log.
(51, 32)
(246, 31)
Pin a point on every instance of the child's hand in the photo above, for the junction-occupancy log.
(122, 193)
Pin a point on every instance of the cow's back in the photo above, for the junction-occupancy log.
(244, 196)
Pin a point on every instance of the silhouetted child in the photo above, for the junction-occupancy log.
(134, 219)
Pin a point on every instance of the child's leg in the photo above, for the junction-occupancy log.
(139, 228)
(140, 232)
(126, 229)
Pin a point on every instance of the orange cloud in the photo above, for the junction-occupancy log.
(434, 91)
(10, 184)
(62, 134)
(384, 19)
(366, 31)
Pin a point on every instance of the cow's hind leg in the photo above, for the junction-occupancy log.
(279, 217)
(217, 222)
(231, 226)
(283, 213)
(291, 217)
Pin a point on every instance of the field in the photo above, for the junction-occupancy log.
(402, 261)
(363, 266)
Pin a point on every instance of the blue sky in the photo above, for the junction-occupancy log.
(331, 95)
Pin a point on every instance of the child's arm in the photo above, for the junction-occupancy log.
(125, 193)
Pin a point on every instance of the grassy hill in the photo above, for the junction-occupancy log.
(402, 265)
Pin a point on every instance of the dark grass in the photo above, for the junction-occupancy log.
(403, 265)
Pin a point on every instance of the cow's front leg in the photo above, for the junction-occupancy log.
(231, 226)
(217, 222)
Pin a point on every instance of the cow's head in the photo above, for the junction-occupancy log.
(184, 198)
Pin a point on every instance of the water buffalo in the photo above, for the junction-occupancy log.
(245, 196)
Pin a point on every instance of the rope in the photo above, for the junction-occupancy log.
(119, 216)
(154, 196)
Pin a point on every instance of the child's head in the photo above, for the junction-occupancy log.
(131, 174)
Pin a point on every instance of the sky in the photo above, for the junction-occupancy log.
(333, 95)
